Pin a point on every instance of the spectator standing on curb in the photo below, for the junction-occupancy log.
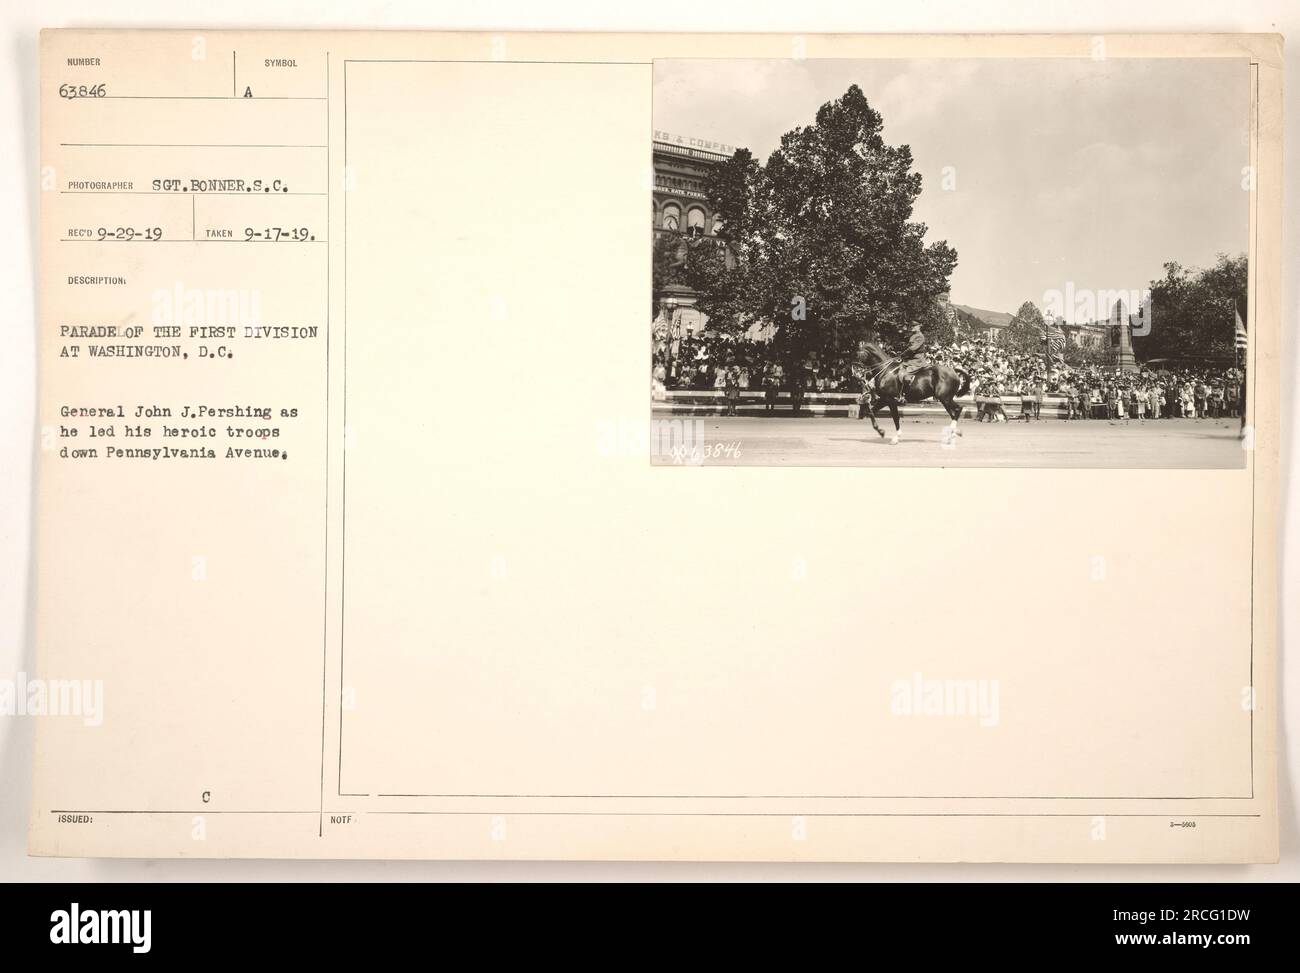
(731, 389)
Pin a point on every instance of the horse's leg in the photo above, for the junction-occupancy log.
(870, 403)
(893, 413)
(954, 413)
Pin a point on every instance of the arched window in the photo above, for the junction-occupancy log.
(695, 221)
(672, 217)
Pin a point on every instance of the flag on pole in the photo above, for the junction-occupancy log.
(1055, 343)
(1240, 330)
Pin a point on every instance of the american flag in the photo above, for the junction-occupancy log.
(1055, 341)
(1240, 329)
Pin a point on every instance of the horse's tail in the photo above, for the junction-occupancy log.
(965, 380)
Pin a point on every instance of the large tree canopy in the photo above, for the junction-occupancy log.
(1192, 310)
(820, 240)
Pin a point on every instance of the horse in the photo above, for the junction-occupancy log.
(882, 382)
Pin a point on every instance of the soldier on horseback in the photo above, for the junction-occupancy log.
(873, 367)
(913, 354)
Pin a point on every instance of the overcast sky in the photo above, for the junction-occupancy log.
(1082, 171)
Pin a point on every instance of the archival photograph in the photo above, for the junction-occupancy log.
(983, 262)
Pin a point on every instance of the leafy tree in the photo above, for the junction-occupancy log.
(945, 324)
(1080, 356)
(820, 240)
(1192, 310)
(934, 322)
(1024, 333)
(967, 325)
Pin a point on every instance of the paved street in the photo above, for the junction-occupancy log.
(808, 441)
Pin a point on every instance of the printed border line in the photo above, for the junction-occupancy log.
(1254, 69)
(343, 514)
(1252, 352)
(694, 814)
(325, 595)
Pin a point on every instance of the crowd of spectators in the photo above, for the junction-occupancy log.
(738, 364)
(704, 361)
(1090, 391)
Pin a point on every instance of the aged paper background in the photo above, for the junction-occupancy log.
(439, 640)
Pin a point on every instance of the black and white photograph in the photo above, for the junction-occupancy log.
(967, 262)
